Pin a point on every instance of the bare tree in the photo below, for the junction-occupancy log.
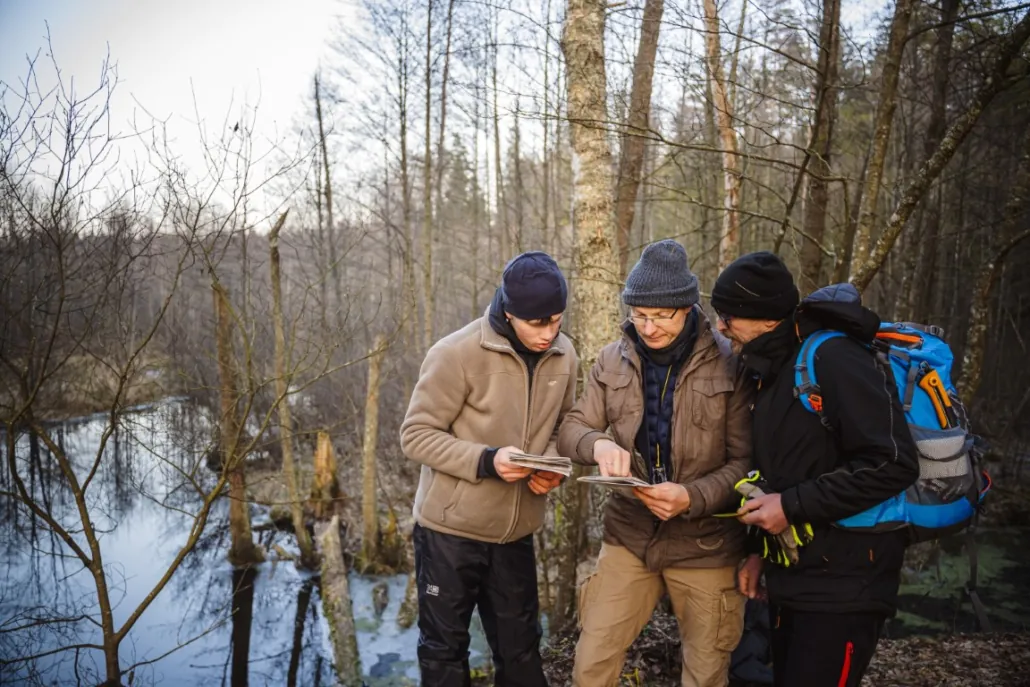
(327, 189)
(882, 132)
(822, 141)
(595, 284)
(282, 389)
(243, 550)
(369, 505)
(632, 152)
(427, 190)
(729, 239)
(996, 81)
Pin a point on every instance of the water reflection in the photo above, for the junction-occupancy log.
(210, 625)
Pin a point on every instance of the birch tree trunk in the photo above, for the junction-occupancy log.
(995, 82)
(242, 549)
(595, 287)
(712, 190)
(520, 239)
(631, 155)
(502, 205)
(370, 552)
(476, 208)
(548, 224)
(427, 197)
(729, 239)
(323, 267)
(881, 133)
(330, 227)
(410, 300)
(282, 386)
(441, 164)
(819, 165)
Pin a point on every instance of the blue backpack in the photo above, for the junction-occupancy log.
(950, 488)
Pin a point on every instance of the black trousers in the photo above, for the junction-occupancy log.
(822, 649)
(454, 576)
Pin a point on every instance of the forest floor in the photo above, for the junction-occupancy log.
(977, 660)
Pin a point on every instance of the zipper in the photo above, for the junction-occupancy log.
(530, 395)
(658, 445)
(849, 649)
(696, 359)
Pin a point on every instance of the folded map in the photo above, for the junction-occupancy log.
(557, 464)
(617, 481)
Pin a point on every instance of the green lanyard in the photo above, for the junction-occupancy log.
(661, 401)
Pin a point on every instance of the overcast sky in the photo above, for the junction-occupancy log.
(229, 53)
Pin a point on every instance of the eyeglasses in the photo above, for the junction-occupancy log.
(657, 320)
(726, 319)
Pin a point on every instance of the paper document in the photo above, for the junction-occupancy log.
(557, 464)
(617, 481)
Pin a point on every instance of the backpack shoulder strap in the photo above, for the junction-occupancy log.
(806, 387)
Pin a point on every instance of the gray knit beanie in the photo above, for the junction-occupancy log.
(661, 278)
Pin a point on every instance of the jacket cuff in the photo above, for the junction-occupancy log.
(790, 500)
(486, 464)
(585, 447)
(698, 504)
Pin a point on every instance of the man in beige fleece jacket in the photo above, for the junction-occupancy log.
(500, 384)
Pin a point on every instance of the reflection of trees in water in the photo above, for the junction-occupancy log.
(148, 468)
(242, 619)
(148, 478)
(261, 646)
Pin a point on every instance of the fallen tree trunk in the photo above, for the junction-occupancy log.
(336, 604)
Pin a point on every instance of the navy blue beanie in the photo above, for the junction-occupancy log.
(532, 286)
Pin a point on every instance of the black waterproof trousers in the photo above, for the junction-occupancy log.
(822, 649)
(454, 576)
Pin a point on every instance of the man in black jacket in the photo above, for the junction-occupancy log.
(828, 609)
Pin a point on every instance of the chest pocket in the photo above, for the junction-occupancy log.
(617, 394)
(709, 397)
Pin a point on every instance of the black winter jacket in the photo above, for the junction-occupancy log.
(866, 456)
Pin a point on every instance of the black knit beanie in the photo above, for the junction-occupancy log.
(533, 287)
(756, 286)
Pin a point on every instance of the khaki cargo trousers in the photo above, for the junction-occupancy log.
(617, 601)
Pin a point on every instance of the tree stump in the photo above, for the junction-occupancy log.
(326, 497)
(336, 604)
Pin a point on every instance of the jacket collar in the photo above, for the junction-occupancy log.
(767, 354)
(709, 345)
(493, 341)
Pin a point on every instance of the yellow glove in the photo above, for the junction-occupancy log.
(781, 549)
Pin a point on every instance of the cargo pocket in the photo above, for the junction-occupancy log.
(585, 596)
(731, 620)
